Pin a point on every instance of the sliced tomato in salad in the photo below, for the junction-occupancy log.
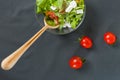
(52, 16)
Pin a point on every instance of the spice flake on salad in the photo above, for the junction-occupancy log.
(66, 13)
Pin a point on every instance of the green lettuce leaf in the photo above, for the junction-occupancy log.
(60, 3)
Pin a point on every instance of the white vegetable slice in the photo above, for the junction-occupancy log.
(80, 11)
(67, 25)
(53, 7)
(68, 9)
(72, 5)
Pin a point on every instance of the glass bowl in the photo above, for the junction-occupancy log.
(40, 20)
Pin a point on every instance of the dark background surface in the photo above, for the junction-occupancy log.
(47, 58)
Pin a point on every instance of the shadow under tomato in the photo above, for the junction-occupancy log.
(117, 44)
(86, 67)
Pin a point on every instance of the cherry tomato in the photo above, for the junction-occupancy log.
(109, 38)
(76, 62)
(86, 42)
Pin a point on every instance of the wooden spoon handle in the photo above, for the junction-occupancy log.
(12, 59)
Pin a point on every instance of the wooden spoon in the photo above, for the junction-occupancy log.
(12, 59)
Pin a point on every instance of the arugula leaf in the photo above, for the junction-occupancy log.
(42, 5)
(39, 2)
(60, 3)
(73, 23)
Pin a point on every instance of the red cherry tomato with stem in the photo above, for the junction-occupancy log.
(86, 42)
(110, 38)
(76, 62)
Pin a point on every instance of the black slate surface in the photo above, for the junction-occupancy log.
(47, 58)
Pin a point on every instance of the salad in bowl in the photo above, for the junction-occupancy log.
(68, 14)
